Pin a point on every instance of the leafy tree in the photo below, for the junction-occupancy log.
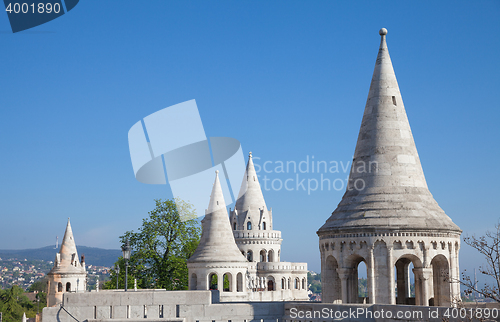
(13, 303)
(160, 248)
(489, 247)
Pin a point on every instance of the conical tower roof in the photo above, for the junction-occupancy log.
(250, 195)
(67, 260)
(387, 188)
(217, 241)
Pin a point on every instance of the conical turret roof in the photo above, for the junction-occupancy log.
(250, 195)
(217, 241)
(387, 187)
(67, 260)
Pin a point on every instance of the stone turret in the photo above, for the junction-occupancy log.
(387, 216)
(252, 222)
(217, 257)
(69, 273)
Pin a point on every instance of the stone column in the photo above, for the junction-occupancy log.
(424, 276)
(390, 267)
(220, 282)
(371, 276)
(408, 281)
(344, 275)
(233, 283)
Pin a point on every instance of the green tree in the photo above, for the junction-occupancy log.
(13, 303)
(160, 248)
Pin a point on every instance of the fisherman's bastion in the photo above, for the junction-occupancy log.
(387, 219)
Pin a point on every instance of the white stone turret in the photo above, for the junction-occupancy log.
(217, 258)
(387, 217)
(69, 273)
(252, 222)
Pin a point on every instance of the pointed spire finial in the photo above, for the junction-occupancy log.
(382, 32)
(250, 154)
(216, 172)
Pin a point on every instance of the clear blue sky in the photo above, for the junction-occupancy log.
(288, 79)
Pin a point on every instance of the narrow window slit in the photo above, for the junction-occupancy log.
(394, 100)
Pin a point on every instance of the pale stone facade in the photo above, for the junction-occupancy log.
(244, 250)
(68, 273)
(387, 217)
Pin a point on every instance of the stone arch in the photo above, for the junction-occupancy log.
(270, 283)
(239, 282)
(250, 256)
(59, 287)
(330, 284)
(263, 255)
(296, 285)
(304, 283)
(264, 225)
(441, 281)
(403, 279)
(68, 287)
(270, 256)
(193, 282)
(227, 279)
(249, 225)
(283, 283)
(234, 225)
(350, 273)
(213, 281)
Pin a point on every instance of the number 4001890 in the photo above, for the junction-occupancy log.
(31, 8)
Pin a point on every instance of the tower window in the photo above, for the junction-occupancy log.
(59, 287)
(68, 287)
(263, 226)
(234, 226)
(249, 225)
(394, 100)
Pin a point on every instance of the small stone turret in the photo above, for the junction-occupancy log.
(68, 274)
(217, 258)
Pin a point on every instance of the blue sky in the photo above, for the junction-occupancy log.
(288, 79)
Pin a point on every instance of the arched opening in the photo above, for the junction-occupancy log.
(228, 281)
(352, 283)
(297, 284)
(408, 287)
(239, 282)
(213, 281)
(270, 256)
(249, 225)
(234, 226)
(330, 282)
(193, 282)
(304, 283)
(263, 255)
(263, 226)
(68, 287)
(59, 287)
(441, 282)
(250, 256)
(283, 283)
(270, 284)
(289, 283)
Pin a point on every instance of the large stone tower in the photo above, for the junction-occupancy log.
(68, 273)
(387, 217)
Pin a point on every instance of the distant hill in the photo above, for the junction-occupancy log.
(93, 256)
